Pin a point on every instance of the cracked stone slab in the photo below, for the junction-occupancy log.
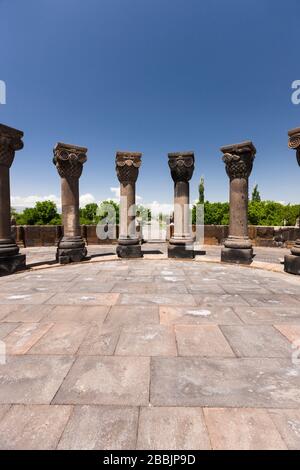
(19, 298)
(257, 341)
(101, 428)
(150, 288)
(242, 429)
(191, 381)
(106, 381)
(32, 379)
(33, 427)
(177, 428)
(272, 300)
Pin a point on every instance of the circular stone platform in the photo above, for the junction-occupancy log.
(152, 354)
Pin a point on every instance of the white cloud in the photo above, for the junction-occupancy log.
(157, 208)
(86, 199)
(30, 201)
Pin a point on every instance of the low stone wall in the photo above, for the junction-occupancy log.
(47, 235)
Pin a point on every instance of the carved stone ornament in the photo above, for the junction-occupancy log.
(127, 167)
(10, 141)
(294, 142)
(238, 159)
(182, 166)
(69, 160)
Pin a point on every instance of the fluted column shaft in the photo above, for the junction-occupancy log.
(238, 159)
(69, 160)
(10, 142)
(182, 168)
(127, 168)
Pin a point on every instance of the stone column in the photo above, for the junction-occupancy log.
(181, 244)
(238, 159)
(292, 261)
(69, 161)
(10, 259)
(127, 168)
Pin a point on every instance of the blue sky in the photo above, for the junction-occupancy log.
(153, 76)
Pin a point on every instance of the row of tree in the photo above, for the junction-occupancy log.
(215, 213)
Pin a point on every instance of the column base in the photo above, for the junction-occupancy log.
(129, 251)
(181, 251)
(292, 264)
(12, 264)
(237, 255)
(71, 250)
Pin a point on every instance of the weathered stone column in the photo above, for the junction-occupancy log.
(238, 159)
(69, 160)
(181, 244)
(10, 259)
(292, 261)
(127, 168)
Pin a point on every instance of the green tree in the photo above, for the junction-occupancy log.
(109, 210)
(255, 194)
(88, 215)
(201, 190)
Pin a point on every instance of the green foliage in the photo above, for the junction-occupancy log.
(255, 194)
(268, 213)
(201, 190)
(44, 213)
(88, 215)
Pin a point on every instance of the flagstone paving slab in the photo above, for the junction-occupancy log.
(257, 341)
(189, 381)
(101, 428)
(288, 424)
(20, 340)
(202, 341)
(132, 315)
(157, 334)
(198, 316)
(32, 379)
(149, 340)
(100, 340)
(62, 338)
(268, 315)
(33, 427)
(166, 428)
(291, 332)
(76, 313)
(106, 381)
(242, 429)
(27, 313)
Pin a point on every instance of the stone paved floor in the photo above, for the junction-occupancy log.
(150, 354)
(46, 255)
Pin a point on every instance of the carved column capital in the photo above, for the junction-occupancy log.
(238, 159)
(127, 166)
(10, 142)
(294, 141)
(69, 160)
(182, 166)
